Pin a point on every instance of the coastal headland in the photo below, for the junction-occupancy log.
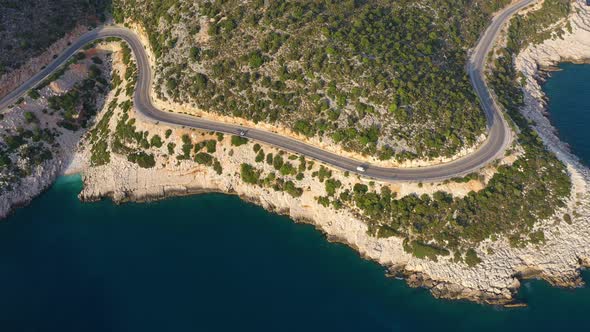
(130, 155)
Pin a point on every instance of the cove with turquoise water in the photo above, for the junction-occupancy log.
(215, 263)
(568, 90)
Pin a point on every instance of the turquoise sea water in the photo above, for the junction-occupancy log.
(214, 263)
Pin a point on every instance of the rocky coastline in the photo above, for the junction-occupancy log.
(495, 280)
(64, 149)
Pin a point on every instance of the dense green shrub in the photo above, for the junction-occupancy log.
(424, 250)
(331, 186)
(471, 257)
(292, 190)
(100, 153)
(249, 174)
(34, 94)
(30, 117)
(217, 167)
(204, 158)
(211, 146)
(259, 156)
(142, 159)
(287, 169)
(156, 141)
(238, 140)
(277, 162)
(171, 147)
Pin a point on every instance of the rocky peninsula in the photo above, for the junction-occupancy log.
(182, 161)
(494, 280)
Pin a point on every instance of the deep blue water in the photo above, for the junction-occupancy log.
(569, 106)
(214, 263)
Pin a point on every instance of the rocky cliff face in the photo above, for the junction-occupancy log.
(494, 280)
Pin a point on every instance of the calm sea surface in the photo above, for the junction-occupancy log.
(569, 106)
(214, 263)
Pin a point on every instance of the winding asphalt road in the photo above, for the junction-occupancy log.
(498, 138)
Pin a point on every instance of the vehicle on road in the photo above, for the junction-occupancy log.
(361, 169)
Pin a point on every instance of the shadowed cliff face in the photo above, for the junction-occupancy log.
(28, 27)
